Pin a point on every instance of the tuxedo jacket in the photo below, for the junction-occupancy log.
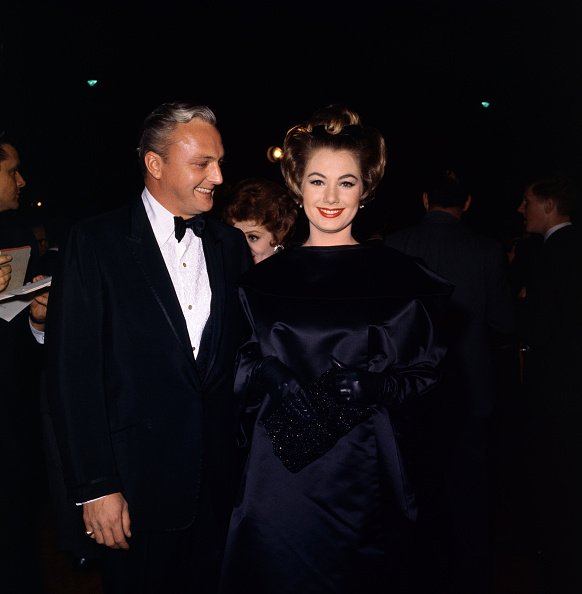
(133, 410)
(481, 309)
(552, 321)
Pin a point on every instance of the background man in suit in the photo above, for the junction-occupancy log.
(20, 364)
(142, 333)
(456, 497)
(551, 331)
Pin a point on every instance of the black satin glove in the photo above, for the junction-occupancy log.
(356, 386)
(293, 421)
(310, 419)
(273, 377)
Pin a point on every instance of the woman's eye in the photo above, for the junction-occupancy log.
(252, 238)
(316, 182)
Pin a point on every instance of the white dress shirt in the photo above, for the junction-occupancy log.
(186, 265)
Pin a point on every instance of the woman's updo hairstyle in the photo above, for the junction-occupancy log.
(337, 128)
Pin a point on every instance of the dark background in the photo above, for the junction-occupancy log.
(416, 70)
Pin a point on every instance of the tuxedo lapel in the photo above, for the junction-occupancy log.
(145, 250)
(213, 330)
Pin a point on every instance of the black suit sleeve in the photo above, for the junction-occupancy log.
(76, 387)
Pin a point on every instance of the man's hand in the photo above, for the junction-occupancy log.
(5, 271)
(38, 306)
(107, 521)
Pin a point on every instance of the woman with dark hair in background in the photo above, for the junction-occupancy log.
(343, 342)
(264, 211)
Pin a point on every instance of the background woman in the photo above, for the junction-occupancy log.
(264, 211)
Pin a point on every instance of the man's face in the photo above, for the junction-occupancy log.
(187, 177)
(533, 210)
(11, 181)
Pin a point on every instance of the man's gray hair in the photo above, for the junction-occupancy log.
(160, 124)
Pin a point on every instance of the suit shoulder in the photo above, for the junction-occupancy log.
(101, 226)
(487, 244)
(395, 237)
(100, 220)
(223, 230)
(233, 240)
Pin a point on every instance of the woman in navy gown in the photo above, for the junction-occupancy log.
(344, 340)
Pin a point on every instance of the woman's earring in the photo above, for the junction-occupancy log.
(362, 205)
(277, 248)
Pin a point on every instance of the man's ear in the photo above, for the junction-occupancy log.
(425, 200)
(467, 204)
(549, 205)
(153, 163)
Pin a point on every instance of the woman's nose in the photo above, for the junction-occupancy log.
(330, 196)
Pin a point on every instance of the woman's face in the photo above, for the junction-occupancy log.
(260, 240)
(332, 192)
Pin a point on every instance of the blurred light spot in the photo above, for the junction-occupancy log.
(274, 154)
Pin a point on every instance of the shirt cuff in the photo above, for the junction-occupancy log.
(38, 334)
(91, 500)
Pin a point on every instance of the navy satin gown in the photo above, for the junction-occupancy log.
(341, 524)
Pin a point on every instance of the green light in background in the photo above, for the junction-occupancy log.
(485, 104)
(92, 82)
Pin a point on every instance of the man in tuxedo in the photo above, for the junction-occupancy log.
(142, 334)
(20, 365)
(550, 332)
(454, 476)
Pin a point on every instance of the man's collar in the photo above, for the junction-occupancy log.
(553, 229)
(161, 219)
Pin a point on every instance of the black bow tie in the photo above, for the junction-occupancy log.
(196, 223)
